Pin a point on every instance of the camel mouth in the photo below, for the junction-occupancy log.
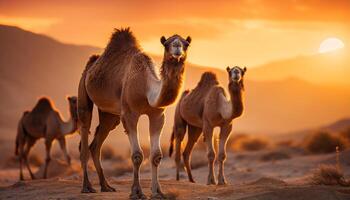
(177, 57)
(236, 77)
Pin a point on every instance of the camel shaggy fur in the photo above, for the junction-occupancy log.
(44, 121)
(123, 85)
(202, 109)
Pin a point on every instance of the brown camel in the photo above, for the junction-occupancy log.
(44, 122)
(202, 109)
(123, 84)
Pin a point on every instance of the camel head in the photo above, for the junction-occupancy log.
(175, 48)
(73, 106)
(236, 75)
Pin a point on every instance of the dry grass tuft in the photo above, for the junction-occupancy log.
(346, 134)
(324, 142)
(328, 175)
(246, 143)
(285, 143)
(108, 153)
(121, 168)
(275, 155)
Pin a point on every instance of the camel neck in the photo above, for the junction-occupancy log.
(236, 97)
(70, 126)
(169, 86)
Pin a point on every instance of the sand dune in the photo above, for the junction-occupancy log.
(249, 178)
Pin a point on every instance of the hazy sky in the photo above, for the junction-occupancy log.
(240, 32)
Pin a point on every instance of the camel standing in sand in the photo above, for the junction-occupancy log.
(44, 122)
(202, 109)
(123, 84)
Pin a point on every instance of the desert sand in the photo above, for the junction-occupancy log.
(250, 177)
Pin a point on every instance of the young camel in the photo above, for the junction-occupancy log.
(44, 122)
(123, 84)
(202, 109)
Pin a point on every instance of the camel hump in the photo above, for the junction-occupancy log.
(44, 105)
(122, 38)
(92, 59)
(208, 78)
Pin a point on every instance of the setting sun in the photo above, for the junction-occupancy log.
(330, 44)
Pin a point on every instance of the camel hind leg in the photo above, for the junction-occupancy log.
(107, 123)
(48, 144)
(179, 131)
(29, 145)
(193, 135)
(20, 145)
(21, 158)
(85, 106)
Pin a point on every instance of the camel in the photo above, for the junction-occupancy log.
(123, 84)
(44, 121)
(202, 109)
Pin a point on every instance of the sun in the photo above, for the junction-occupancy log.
(330, 44)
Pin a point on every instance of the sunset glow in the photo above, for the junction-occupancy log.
(222, 31)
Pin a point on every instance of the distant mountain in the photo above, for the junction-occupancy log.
(328, 68)
(299, 135)
(338, 126)
(32, 65)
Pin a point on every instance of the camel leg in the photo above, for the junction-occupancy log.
(156, 123)
(208, 135)
(129, 121)
(62, 142)
(193, 135)
(107, 123)
(48, 144)
(179, 131)
(21, 157)
(85, 107)
(30, 143)
(224, 134)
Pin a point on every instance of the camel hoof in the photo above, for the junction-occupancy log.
(136, 193)
(192, 180)
(222, 182)
(137, 196)
(211, 182)
(158, 195)
(88, 189)
(107, 188)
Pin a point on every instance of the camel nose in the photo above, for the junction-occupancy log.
(177, 53)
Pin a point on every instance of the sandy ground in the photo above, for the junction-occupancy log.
(249, 176)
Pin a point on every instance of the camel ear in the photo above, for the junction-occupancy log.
(244, 69)
(162, 40)
(188, 39)
(228, 69)
(69, 98)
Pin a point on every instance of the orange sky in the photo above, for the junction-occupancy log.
(241, 32)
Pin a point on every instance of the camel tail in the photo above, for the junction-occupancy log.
(20, 132)
(171, 146)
